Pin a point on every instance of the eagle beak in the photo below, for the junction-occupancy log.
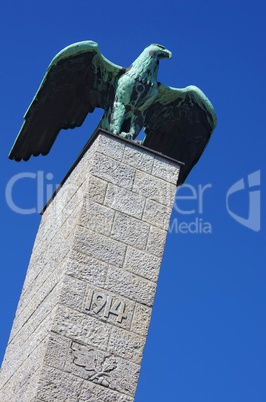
(169, 54)
(166, 54)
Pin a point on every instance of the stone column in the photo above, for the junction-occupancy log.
(83, 316)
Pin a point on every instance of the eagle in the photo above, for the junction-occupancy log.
(177, 122)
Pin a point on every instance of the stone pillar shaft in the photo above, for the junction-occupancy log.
(85, 308)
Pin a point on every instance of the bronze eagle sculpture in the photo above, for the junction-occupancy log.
(178, 122)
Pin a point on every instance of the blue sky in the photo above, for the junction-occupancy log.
(207, 336)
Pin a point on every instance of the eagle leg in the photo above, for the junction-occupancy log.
(132, 125)
(136, 124)
(117, 117)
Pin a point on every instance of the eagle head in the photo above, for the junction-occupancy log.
(158, 51)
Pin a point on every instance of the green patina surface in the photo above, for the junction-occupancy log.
(178, 122)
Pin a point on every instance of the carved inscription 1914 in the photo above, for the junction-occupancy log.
(98, 302)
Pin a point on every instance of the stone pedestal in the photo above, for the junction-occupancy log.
(84, 312)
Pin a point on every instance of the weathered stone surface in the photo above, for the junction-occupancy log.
(57, 351)
(99, 246)
(72, 293)
(96, 217)
(49, 255)
(113, 171)
(103, 371)
(123, 200)
(141, 319)
(154, 188)
(130, 286)
(20, 379)
(70, 224)
(80, 327)
(36, 300)
(96, 189)
(156, 241)
(36, 324)
(85, 308)
(143, 264)
(126, 345)
(111, 146)
(165, 169)
(95, 393)
(157, 214)
(56, 385)
(130, 230)
(20, 366)
(86, 268)
(138, 158)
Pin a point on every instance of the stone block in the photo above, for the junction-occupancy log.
(35, 297)
(141, 319)
(72, 293)
(38, 335)
(142, 263)
(157, 214)
(99, 246)
(80, 327)
(126, 345)
(70, 224)
(21, 384)
(86, 268)
(125, 201)
(57, 351)
(50, 259)
(96, 189)
(96, 217)
(130, 231)
(113, 171)
(95, 393)
(138, 158)
(156, 241)
(154, 188)
(58, 386)
(165, 169)
(111, 146)
(130, 286)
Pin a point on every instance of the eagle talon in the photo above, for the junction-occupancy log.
(139, 142)
(127, 136)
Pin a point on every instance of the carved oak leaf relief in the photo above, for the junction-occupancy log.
(94, 362)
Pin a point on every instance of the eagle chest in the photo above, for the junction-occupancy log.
(136, 92)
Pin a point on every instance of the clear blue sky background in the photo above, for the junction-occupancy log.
(207, 336)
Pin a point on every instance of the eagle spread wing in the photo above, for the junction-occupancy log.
(179, 124)
(77, 80)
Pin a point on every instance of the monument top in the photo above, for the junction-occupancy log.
(177, 122)
(89, 144)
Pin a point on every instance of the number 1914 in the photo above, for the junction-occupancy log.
(99, 302)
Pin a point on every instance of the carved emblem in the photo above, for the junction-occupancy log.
(97, 364)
